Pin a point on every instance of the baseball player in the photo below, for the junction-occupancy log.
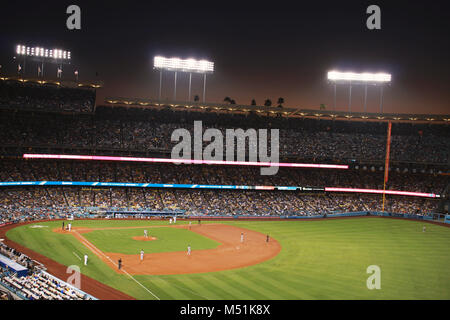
(63, 225)
(145, 233)
(424, 229)
(190, 225)
(85, 259)
(70, 226)
(175, 219)
(142, 254)
(170, 221)
(120, 263)
(267, 239)
(189, 250)
(242, 237)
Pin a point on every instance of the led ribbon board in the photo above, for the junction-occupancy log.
(393, 192)
(202, 186)
(183, 161)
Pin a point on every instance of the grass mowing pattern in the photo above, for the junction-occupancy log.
(325, 259)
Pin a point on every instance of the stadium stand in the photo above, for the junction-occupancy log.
(142, 131)
(45, 96)
(217, 202)
(51, 118)
(34, 283)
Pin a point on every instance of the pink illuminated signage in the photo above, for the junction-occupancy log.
(183, 161)
(394, 192)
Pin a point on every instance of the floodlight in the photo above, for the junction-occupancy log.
(359, 77)
(183, 65)
(352, 78)
(43, 52)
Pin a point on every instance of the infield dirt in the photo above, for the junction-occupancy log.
(230, 254)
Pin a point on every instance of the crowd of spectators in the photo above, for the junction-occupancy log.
(92, 171)
(40, 286)
(22, 203)
(45, 97)
(32, 209)
(200, 202)
(16, 256)
(36, 285)
(140, 131)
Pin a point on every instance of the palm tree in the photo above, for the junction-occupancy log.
(232, 101)
(322, 106)
(253, 102)
(196, 98)
(227, 99)
(280, 101)
(268, 102)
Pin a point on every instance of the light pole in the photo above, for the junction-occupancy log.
(190, 80)
(183, 65)
(334, 109)
(351, 78)
(381, 99)
(350, 98)
(41, 56)
(175, 88)
(160, 84)
(365, 97)
(204, 86)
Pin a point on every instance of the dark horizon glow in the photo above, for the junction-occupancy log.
(260, 50)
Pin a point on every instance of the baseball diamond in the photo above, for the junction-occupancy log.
(302, 260)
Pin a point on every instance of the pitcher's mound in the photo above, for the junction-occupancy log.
(142, 238)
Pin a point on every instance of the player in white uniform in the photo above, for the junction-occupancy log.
(189, 250)
(145, 233)
(175, 219)
(142, 255)
(242, 237)
(70, 226)
(170, 221)
(85, 259)
(424, 229)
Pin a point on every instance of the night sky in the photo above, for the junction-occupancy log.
(260, 49)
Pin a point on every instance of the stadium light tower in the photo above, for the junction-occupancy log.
(182, 65)
(43, 55)
(365, 79)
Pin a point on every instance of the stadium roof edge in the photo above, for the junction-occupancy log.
(198, 105)
(289, 112)
(62, 83)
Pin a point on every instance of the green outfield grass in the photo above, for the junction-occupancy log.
(323, 259)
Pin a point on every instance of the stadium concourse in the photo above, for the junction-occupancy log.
(70, 123)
